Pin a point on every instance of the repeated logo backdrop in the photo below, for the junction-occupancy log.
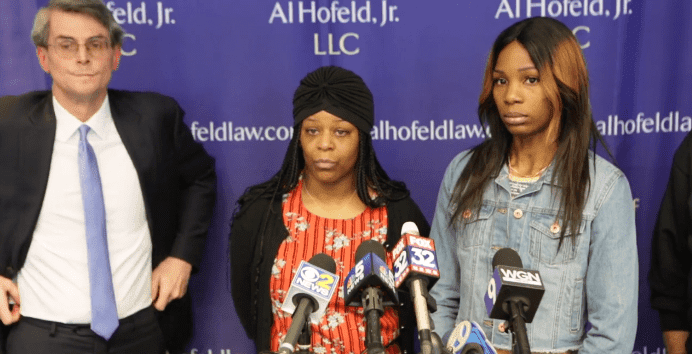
(233, 66)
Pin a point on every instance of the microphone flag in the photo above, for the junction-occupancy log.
(312, 281)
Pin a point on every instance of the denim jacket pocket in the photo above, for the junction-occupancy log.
(545, 237)
(577, 306)
(477, 228)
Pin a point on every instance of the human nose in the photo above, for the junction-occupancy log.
(325, 142)
(82, 53)
(513, 93)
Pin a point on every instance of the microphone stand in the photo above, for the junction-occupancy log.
(438, 346)
(419, 294)
(305, 340)
(520, 341)
(373, 310)
(304, 309)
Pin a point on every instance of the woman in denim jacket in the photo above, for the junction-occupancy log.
(537, 187)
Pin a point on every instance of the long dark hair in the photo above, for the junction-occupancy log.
(369, 175)
(556, 54)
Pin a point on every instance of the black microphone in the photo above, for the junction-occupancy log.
(370, 284)
(311, 289)
(514, 294)
(416, 270)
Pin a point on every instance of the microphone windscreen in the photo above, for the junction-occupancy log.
(323, 261)
(410, 228)
(370, 246)
(507, 257)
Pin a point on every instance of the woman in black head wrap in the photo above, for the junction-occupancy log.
(329, 196)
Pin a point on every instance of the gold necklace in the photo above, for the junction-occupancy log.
(514, 172)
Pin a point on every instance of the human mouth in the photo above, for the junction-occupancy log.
(514, 118)
(324, 164)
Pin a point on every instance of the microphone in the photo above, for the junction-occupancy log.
(415, 266)
(370, 284)
(304, 340)
(311, 289)
(468, 338)
(514, 294)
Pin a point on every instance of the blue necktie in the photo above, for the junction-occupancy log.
(104, 314)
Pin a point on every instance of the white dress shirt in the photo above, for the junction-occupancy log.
(54, 281)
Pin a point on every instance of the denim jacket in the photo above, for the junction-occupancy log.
(594, 280)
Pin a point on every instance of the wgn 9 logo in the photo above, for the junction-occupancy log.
(492, 290)
(315, 280)
(494, 286)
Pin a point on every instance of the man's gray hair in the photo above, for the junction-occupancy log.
(94, 8)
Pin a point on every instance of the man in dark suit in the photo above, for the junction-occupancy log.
(105, 201)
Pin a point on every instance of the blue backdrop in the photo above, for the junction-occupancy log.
(233, 66)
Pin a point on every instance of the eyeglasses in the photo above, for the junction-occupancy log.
(69, 48)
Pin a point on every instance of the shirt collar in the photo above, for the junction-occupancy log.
(101, 123)
(503, 179)
(545, 178)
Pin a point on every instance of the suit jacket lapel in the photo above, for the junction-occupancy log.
(34, 156)
(137, 141)
(37, 144)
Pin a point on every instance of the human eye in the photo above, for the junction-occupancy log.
(342, 132)
(67, 45)
(499, 81)
(310, 131)
(532, 80)
(96, 44)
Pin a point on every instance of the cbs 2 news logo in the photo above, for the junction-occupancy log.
(316, 280)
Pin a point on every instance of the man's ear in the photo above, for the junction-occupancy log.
(116, 57)
(42, 54)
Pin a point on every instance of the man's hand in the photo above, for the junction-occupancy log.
(169, 281)
(8, 290)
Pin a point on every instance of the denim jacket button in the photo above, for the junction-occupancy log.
(502, 210)
(555, 228)
(518, 214)
(467, 214)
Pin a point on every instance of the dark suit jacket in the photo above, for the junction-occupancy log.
(176, 175)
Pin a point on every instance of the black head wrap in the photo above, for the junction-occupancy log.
(338, 91)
